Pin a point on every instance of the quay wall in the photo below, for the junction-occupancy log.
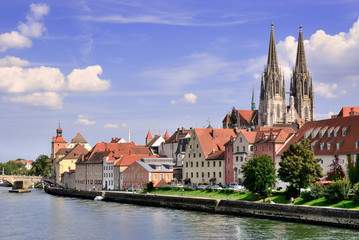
(305, 214)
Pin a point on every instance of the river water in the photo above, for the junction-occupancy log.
(37, 215)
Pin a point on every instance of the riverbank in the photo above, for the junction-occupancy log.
(304, 214)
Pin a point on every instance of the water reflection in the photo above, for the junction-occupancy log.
(37, 215)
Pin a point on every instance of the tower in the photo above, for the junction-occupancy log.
(57, 142)
(301, 87)
(273, 102)
(253, 103)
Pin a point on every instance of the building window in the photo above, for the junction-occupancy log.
(155, 176)
(256, 148)
(199, 154)
(197, 145)
(208, 175)
(269, 147)
(186, 174)
(241, 159)
(196, 164)
(202, 164)
(202, 174)
(191, 164)
(214, 174)
(220, 174)
(237, 148)
(229, 149)
(278, 111)
(262, 147)
(161, 176)
(305, 88)
(214, 164)
(196, 174)
(244, 148)
(229, 161)
(252, 148)
(194, 155)
(189, 155)
(191, 174)
(207, 164)
(186, 164)
(229, 172)
(190, 146)
(236, 158)
(240, 139)
(220, 164)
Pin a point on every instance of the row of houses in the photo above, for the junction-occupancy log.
(197, 155)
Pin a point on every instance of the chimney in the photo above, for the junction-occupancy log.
(182, 130)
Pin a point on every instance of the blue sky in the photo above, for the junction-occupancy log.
(103, 67)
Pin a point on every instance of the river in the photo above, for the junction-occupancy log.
(37, 215)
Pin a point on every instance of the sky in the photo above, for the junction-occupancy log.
(105, 67)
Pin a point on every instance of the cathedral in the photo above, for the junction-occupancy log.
(273, 107)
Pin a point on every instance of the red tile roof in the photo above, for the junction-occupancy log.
(76, 152)
(212, 140)
(149, 135)
(166, 136)
(179, 133)
(245, 115)
(348, 111)
(227, 118)
(325, 141)
(58, 139)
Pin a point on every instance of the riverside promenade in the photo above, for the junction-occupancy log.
(303, 214)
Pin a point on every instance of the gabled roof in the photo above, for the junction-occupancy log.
(63, 151)
(227, 118)
(347, 136)
(219, 155)
(78, 139)
(156, 141)
(245, 115)
(249, 136)
(149, 135)
(273, 134)
(178, 134)
(212, 140)
(76, 152)
(348, 111)
(166, 136)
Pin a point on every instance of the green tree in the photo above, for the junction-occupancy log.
(259, 174)
(13, 168)
(353, 171)
(41, 166)
(298, 166)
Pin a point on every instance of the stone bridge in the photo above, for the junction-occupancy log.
(23, 181)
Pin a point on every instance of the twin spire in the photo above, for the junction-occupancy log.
(272, 62)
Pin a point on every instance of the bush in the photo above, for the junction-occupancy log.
(226, 190)
(316, 191)
(209, 189)
(189, 189)
(149, 186)
(166, 187)
(292, 191)
(338, 191)
(356, 193)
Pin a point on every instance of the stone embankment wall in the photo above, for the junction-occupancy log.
(305, 214)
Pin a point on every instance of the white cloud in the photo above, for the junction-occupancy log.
(84, 120)
(50, 100)
(13, 40)
(10, 61)
(34, 28)
(124, 125)
(187, 98)
(194, 68)
(328, 91)
(87, 80)
(319, 116)
(111, 125)
(19, 80)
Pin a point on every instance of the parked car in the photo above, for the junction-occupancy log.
(202, 185)
(236, 186)
(216, 186)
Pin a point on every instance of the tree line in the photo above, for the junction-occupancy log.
(40, 167)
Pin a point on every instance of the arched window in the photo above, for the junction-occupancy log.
(277, 87)
(278, 111)
(305, 88)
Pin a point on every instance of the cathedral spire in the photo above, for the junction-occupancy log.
(272, 62)
(253, 104)
(301, 63)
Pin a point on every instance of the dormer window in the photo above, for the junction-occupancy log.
(344, 131)
(271, 136)
(357, 144)
(336, 131)
(321, 146)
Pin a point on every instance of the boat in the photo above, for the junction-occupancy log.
(98, 198)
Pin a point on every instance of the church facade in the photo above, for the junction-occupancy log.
(274, 109)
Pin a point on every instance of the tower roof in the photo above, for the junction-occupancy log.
(253, 103)
(301, 63)
(166, 136)
(272, 62)
(149, 135)
(78, 139)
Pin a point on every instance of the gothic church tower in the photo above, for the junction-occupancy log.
(301, 87)
(273, 101)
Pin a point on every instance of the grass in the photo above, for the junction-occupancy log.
(277, 197)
